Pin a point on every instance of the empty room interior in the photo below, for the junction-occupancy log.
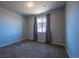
(39, 29)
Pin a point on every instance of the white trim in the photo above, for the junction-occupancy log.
(58, 43)
(68, 52)
(11, 43)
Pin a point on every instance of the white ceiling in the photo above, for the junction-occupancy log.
(39, 6)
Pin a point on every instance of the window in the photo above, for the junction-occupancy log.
(41, 24)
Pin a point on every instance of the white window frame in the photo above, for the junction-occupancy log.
(42, 22)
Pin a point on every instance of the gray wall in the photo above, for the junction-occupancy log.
(57, 27)
(29, 27)
(25, 28)
(72, 28)
(10, 27)
(57, 24)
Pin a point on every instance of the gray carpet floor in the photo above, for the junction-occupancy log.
(33, 49)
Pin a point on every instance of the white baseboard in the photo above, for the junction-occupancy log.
(11, 43)
(58, 44)
(61, 44)
(68, 52)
